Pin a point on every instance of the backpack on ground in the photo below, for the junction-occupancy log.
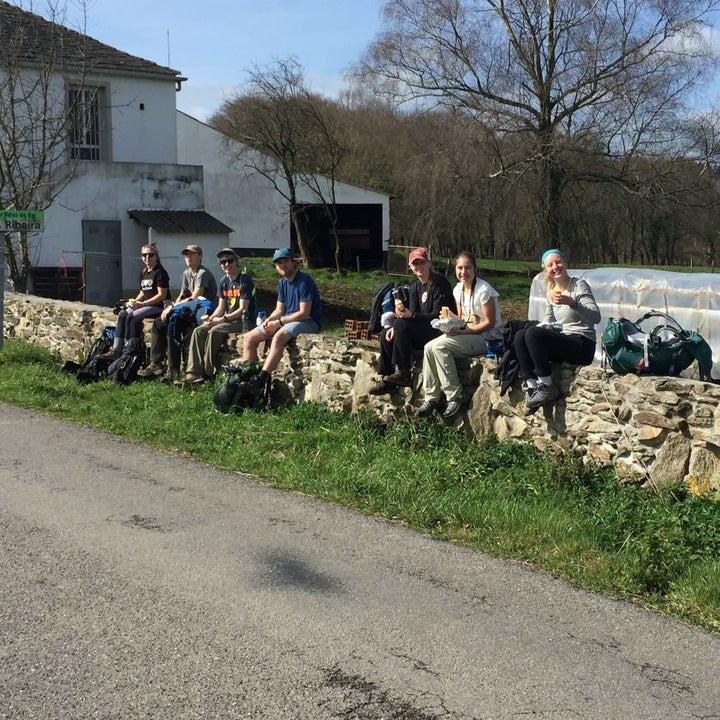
(382, 302)
(93, 367)
(235, 394)
(666, 349)
(124, 369)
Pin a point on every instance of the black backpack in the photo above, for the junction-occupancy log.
(93, 367)
(235, 394)
(382, 302)
(124, 369)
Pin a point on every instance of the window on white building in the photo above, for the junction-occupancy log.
(85, 123)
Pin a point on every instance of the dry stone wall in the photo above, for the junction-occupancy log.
(656, 429)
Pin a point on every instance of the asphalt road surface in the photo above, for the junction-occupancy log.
(136, 584)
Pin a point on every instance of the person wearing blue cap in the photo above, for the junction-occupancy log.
(566, 335)
(298, 310)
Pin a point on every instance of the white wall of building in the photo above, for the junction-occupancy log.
(250, 205)
(106, 191)
(143, 119)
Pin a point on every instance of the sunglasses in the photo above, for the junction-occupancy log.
(227, 261)
(148, 254)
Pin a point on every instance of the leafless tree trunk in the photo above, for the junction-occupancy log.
(36, 67)
(287, 139)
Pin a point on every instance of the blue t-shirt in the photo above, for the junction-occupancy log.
(301, 289)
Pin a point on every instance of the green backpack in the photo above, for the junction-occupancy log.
(667, 349)
(235, 394)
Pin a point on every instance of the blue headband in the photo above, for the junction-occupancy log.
(552, 251)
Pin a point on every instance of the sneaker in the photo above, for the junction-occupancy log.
(401, 377)
(152, 370)
(543, 394)
(256, 381)
(427, 408)
(194, 378)
(528, 391)
(384, 387)
(455, 407)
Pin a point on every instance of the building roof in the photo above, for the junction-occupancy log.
(26, 38)
(180, 221)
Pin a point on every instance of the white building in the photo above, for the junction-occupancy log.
(148, 173)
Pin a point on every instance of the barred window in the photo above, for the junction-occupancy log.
(85, 128)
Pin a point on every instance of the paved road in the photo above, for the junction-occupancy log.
(135, 584)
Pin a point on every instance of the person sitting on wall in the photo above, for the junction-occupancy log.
(148, 303)
(566, 335)
(197, 282)
(298, 310)
(476, 302)
(412, 329)
(235, 313)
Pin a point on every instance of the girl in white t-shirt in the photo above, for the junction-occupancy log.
(477, 304)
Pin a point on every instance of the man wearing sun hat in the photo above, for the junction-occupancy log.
(197, 282)
(298, 310)
(412, 329)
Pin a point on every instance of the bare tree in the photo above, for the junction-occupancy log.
(39, 60)
(550, 79)
(288, 139)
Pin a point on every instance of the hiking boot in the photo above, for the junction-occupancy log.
(152, 370)
(255, 381)
(455, 407)
(384, 387)
(402, 377)
(427, 408)
(543, 394)
(111, 354)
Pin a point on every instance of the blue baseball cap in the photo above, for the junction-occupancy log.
(281, 253)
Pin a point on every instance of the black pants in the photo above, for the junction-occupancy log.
(409, 335)
(160, 346)
(536, 347)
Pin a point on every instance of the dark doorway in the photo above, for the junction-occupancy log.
(359, 229)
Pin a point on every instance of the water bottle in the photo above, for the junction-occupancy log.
(245, 321)
(261, 318)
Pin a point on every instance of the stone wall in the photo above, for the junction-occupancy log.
(662, 430)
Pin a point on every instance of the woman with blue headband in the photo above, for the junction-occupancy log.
(566, 335)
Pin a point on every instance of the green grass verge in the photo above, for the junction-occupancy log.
(659, 550)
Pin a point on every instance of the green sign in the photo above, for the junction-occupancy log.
(22, 220)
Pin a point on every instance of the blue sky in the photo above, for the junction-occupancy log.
(214, 42)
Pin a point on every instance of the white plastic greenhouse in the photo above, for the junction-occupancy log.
(693, 299)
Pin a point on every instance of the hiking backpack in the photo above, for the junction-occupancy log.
(382, 302)
(124, 369)
(93, 367)
(235, 394)
(184, 319)
(667, 349)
